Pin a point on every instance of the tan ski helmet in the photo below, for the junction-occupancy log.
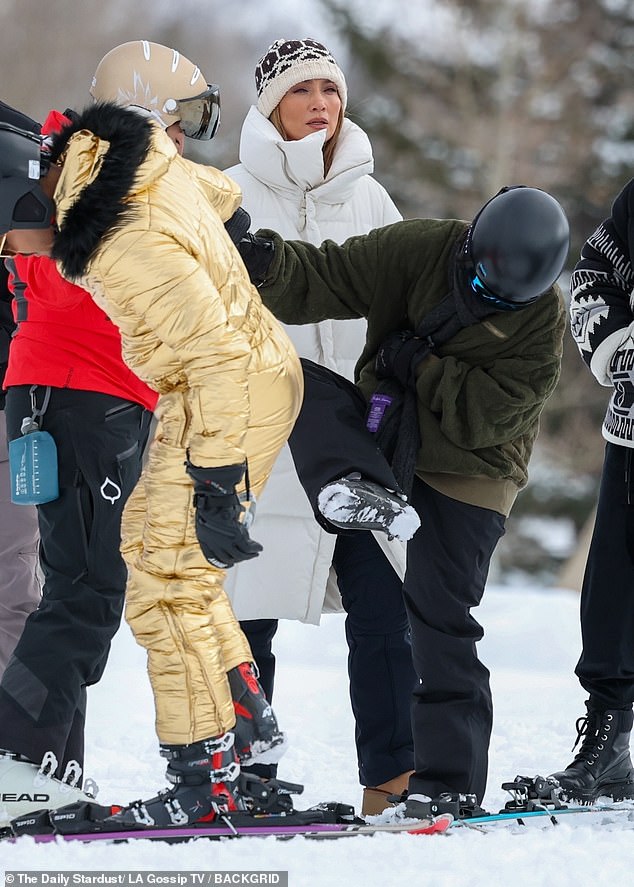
(161, 81)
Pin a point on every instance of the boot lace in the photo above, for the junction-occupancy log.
(594, 732)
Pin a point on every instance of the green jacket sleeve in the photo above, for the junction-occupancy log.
(370, 275)
(308, 284)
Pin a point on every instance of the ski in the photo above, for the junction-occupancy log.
(316, 830)
(326, 821)
(532, 800)
(274, 826)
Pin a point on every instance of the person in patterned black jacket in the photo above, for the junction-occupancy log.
(602, 324)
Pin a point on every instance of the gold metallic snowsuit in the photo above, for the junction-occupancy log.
(230, 382)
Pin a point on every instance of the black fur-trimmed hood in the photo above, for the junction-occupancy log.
(101, 204)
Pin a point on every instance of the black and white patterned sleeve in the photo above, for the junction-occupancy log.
(601, 316)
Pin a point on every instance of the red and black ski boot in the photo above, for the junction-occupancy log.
(258, 737)
(204, 776)
(207, 785)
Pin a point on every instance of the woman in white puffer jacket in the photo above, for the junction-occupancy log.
(305, 172)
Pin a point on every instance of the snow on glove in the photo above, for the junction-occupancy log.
(222, 534)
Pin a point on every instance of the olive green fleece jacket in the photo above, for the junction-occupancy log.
(480, 396)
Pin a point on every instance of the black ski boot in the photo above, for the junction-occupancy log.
(353, 503)
(207, 784)
(258, 737)
(603, 765)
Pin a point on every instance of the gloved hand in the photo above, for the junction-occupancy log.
(257, 254)
(238, 225)
(223, 537)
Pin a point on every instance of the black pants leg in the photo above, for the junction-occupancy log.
(74, 750)
(329, 438)
(65, 642)
(606, 666)
(260, 634)
(447, 566)
(380, 668)
(328, 441)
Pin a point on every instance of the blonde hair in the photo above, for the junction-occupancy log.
(330, 145)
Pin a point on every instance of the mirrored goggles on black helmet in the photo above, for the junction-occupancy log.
(498, 302)
(199, 116)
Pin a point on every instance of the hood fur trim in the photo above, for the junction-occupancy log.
(101, 204)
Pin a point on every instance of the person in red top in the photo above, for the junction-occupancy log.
(63, 339)
(65, 369)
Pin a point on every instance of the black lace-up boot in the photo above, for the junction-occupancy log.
(602, 765)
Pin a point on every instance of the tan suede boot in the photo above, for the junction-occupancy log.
(375, 798)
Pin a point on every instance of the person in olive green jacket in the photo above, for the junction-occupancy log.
(488, 323)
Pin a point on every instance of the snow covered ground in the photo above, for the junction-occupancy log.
(531, 645)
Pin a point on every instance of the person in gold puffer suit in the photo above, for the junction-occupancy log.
(143, 230)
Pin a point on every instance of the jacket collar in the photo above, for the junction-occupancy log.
(299, 165)
(100, 153)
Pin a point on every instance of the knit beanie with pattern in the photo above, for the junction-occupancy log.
(288, 62)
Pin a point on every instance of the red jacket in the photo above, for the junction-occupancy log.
(64, 340)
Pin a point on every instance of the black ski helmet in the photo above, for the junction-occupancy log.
(23, 204)
(517, 246)
(17, 118)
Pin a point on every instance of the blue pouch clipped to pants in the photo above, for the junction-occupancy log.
(33, 461)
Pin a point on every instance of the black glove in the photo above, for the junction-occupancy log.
(238, 225)
(222, 535)
(257, 254)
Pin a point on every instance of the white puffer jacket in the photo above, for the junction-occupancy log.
(284, 189)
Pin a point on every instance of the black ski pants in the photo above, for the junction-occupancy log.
(447, 566)
(606, 666)
(66, 641)
(380, 665)
(380, 668)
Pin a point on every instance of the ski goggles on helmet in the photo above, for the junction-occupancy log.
(497, 301)
(199, 116)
